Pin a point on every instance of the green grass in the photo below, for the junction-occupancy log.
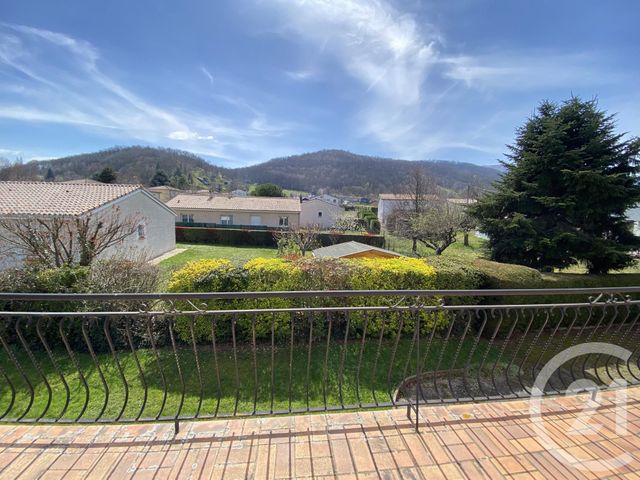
(237, 255)
(356, 386)
(457, 249)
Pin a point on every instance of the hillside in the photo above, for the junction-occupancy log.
(345, 172)
(336, 171)
(131, 164)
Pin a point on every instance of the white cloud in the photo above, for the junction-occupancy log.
(524, 71)
(54, 78)
(383, 49)
(182, 135)
(416, 97)
(207, 74)
(300, 75)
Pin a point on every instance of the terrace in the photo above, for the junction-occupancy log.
(411, 384)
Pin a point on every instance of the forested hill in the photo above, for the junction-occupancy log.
(131, 165)
(345, 172)
(336, 171)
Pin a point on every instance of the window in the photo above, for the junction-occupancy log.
(226, 219)
(256, 220)
(187, 218)
(319, 214)
(141, 232)
(284, 221)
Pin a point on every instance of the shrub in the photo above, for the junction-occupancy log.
(272, 274)
(200, 276)
(110, 275)
(217, 275)
(507, 275)
(402, 273)
(374, 225)
(264, 238)
(456, 274)
(121, 275)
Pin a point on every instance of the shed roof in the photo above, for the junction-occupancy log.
(349, 248)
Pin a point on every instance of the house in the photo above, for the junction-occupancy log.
(42, 201)
(164, 193)
(223, 210)
(325, 197)
(390, 202)
(353, 250)
(315, 211)
(239, 193)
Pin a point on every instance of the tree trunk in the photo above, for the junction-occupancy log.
(414, 248)
(466, 239)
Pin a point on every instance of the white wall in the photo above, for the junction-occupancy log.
(159, 225)
(310, 210)
(387, 207)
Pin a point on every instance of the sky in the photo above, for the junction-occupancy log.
(242, 81)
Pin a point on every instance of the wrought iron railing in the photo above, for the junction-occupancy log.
(70, 358)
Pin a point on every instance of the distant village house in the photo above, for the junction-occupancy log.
(317, 211)
(236, 211)
(391, 202)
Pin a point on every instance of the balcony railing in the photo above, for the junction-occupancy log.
(70, 358)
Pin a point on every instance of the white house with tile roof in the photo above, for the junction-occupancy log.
(316, 211)
(155, 233)
(390, 202)
(236, 211)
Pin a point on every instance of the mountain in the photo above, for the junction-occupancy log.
(348, 173)
(336, 171)
(131, 164)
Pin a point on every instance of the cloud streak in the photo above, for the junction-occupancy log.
(411, 87)
(54, 78)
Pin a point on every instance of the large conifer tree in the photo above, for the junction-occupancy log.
(570, 179)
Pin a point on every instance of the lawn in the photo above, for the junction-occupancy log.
(237, 255)
(346, 384)
(457, 249)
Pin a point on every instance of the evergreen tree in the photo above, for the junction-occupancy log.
(106, 175)
(569, 182)
(267, 190)
(159, 179)
(50, 176)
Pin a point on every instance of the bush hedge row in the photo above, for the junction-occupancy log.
(302, 274)
(263, 238)
(440, 273)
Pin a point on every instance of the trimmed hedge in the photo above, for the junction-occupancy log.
(278, 274)
(263, 238)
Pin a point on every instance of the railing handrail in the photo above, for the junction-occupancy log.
(529, 292)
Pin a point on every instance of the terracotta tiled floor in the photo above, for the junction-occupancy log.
(491, 440)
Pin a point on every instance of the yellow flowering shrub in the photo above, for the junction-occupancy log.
(215, 275)
(402, 273)
(190, 277)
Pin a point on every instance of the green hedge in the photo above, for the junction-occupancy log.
(278, 274)
(263, 238)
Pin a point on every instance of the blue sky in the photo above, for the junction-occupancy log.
(243, 81)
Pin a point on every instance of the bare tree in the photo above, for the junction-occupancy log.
(435, 227)
(302, 238)
(347, 222)
(420, 188)
(59, 241)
